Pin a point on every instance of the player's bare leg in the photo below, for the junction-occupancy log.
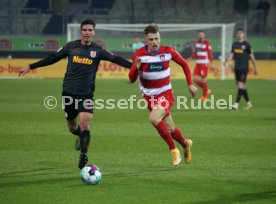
(74, 128)
(85, 118)
(177, 135)
(156, 116)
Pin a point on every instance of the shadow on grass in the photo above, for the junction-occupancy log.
(30, 179)
(248, 197)
(267, 119)
(24, 172)
(139, 173)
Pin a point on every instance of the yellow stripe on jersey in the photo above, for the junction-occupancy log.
(240, 51)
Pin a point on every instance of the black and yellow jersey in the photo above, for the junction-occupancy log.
(82, 66)
(241, 51)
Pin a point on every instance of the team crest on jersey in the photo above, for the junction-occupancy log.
(93, 54)
(162, 57)
(243, 47)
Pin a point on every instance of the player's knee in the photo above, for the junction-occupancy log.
(153, 120)
(241, 85)
(85, 119)
(84, 125)
(195, 78)
(171, 128)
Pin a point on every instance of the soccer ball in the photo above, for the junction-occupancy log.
(91, 175)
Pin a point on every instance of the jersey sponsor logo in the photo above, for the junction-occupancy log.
(156, 67)
(82, 60)
(93, 54)
(238, 51)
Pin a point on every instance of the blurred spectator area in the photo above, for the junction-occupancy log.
(50, 17)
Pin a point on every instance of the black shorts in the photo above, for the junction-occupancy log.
(241, 75)
(75, 104)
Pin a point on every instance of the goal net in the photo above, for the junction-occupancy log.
(120, 37)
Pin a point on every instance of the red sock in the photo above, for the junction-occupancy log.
(199, 83)
(176, 134)
(165, 134)
(204, 88)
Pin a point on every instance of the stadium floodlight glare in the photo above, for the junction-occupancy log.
(178, 33)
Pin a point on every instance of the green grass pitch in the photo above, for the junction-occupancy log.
(234, 152)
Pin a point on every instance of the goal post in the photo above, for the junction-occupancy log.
(119, 37)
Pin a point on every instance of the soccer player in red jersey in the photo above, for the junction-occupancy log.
(151, 66)
(204, 57)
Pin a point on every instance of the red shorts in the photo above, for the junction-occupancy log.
(165, 100)
(201, 70)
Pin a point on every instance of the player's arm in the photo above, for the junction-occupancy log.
(133, 72)
(108, 56)
(210, 56)
(51, 59)
(186, 68)
(252, 58)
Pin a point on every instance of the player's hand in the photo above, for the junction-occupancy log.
(255, 72)
(224, 63)
(193, 90)
(137, 62)
(24, 70)
(210, 66)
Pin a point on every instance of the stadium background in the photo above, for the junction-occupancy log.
(34, 29)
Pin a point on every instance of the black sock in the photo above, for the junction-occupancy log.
(245, 94)
(239, 95)
(84, 140)
(77, 132)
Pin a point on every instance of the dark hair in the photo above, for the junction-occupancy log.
(88, 22)
(151, 28)
(200, 31)
(239, 29)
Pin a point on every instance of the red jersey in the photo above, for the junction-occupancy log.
(154, 72)
(203, 52)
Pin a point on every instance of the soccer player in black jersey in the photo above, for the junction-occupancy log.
(242, 52)
(83, 57)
